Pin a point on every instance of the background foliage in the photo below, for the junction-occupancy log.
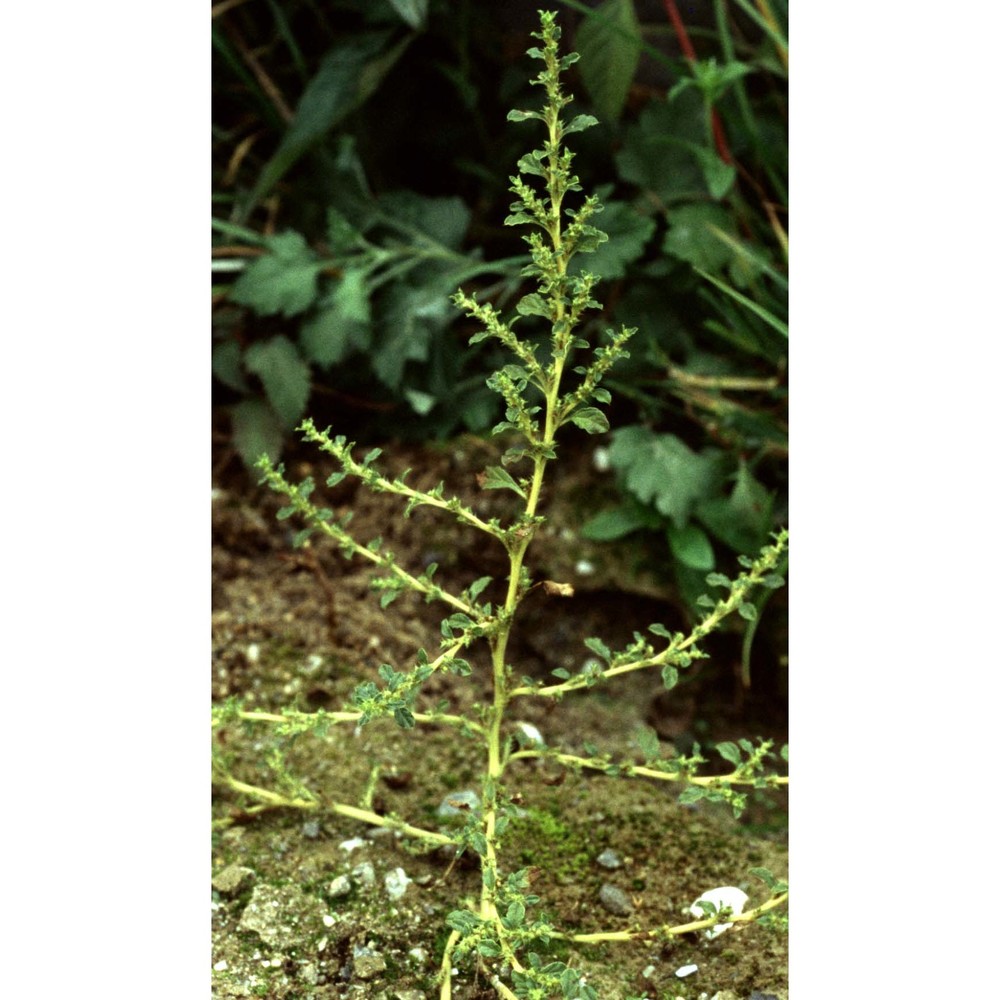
(361, 159)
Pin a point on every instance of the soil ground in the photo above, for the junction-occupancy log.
(301, 628)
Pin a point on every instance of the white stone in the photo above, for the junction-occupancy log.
(725, 897)
(253, 653)
(531, 732)
(601, 459)
(584, 567)
(686, 970)
(221, 966)
(396, 882)
(350, 845)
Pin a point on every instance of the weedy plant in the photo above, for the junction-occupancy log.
(503, 930)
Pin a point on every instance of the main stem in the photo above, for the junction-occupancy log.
(501, 691)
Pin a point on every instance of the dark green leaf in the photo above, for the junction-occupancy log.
(691, 239)
(618, 522)
(347, 76)
(691, 546)
(342, 323)
(743, 519)
(657, 154)
(661, 469)
(609, 42)
(227, 365)
(413, 12)
(285, 376)
(283, 280)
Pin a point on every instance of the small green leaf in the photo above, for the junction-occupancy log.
(534, 305)
(669, 676)
(693, 793)
(579, 123)
(649, 742)
(748, 611)
(515, 914)
(729, 751)
(597, 646)
(765, 876)
(522, 116)
(404, 718)
(496, 478)
(590, 419)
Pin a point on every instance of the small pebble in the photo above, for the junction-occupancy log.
(418, 955)
(615, 901)
(601, 459)
(350, 845)
(396, 882)
(253, 653)
(686, 970)
(364, 873)
(609, 859)
(232, 880)
(312, 665)
(368, 964)
(340, 886)
(221, 966)
(310, 829)
(584, 567)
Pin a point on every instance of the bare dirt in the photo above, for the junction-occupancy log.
(301, 628)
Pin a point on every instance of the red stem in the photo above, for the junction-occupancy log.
(688, 49)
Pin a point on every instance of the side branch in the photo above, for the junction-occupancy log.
(341, 450)
(736, 777)
(667, 930)
(276, 800)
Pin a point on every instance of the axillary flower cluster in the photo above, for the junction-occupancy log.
(542, 392)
